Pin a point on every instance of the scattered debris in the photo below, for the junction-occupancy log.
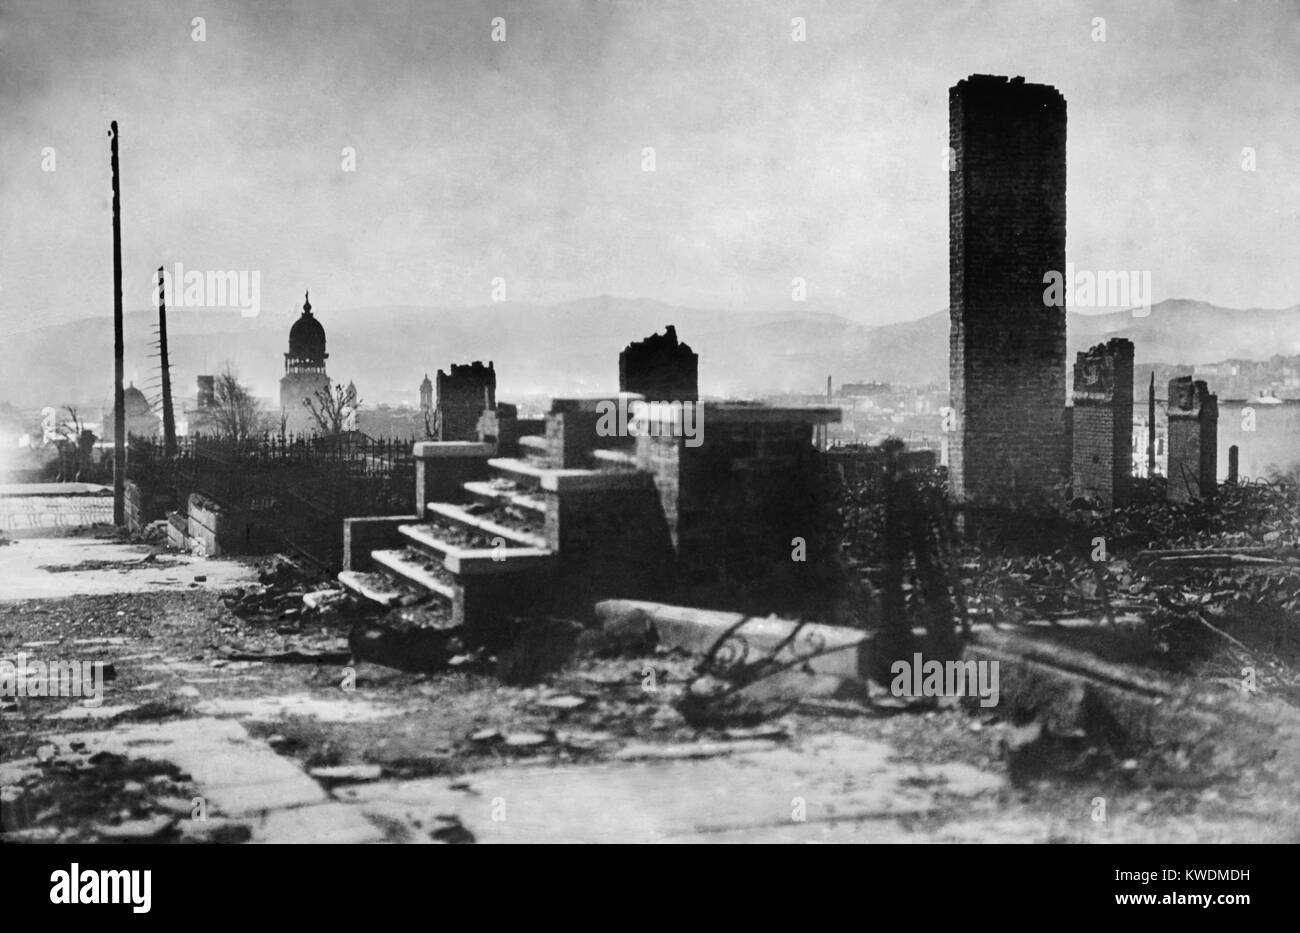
(123, 566)
(536, 648)
(409, 639)
(341, 774)
(305, 649)
(770, 731)
(450, 830)
(563, 703)
(145, 830)
(323, 600)
(641, 751)
(526, 739)
(91, 712)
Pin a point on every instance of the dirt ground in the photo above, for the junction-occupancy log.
(371, 740)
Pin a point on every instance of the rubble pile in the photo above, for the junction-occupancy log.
(1216, 582)
(74, 797)
(288, 616)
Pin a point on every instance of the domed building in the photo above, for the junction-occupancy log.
(304, 372)
(140, 419)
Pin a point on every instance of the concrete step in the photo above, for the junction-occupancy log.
(531, 526)
(439, 540)
(521, 472)
(534, 445)
(480, 530)
(462, 554)
(605, 459)
(382, 588)
(419, 568)
(567, 480)
(505, 492)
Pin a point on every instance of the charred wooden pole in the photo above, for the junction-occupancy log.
(1151, 427)
(169, 415)
(119, 401)
(826, 428)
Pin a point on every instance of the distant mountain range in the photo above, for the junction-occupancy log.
(572, 348)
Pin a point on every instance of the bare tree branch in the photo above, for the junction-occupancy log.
(330, 409)
(237, 414)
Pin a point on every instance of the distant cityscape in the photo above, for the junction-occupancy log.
(1259, 413)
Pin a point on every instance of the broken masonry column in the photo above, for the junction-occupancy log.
(660, 369)
(463, 395)
(1006, 202)
(1102, 436)
(1193, 440)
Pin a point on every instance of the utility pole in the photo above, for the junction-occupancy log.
(1151, 427)
(119, 402)
(826, 428)
(169, 416)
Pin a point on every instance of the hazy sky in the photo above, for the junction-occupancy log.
(523, 159)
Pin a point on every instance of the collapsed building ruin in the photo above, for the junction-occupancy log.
(462, 396)
(1101, 424)
(660, 368)
(1193, 440)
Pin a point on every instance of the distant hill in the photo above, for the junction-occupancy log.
(573, 347)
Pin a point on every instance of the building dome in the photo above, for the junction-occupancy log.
(306, 342)
(134, 403)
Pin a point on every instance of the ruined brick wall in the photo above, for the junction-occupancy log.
(1193, 439)
(615, 542)
(463, 396)
(1006, 232)
(1102, 426)
(734, 504)
(660, 368)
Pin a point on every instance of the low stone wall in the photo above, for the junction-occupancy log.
(146, 504)
(214, 530)
(178, 534)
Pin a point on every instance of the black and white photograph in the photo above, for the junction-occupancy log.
(624, 422)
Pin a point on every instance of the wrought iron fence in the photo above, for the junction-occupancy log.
(295, 490)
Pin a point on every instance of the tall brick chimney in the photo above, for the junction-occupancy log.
(1193, 440)
(1006, 202)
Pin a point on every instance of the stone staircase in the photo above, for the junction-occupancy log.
(525, 535)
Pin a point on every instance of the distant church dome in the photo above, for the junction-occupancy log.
(306, 342)
(134, 403)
